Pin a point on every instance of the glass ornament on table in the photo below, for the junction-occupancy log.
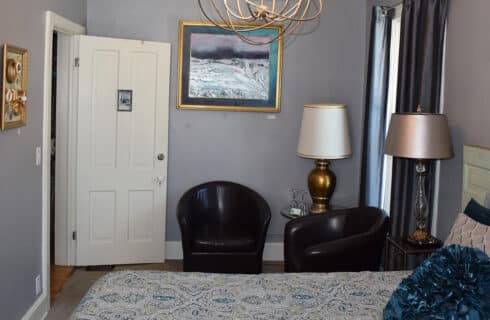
(297, 206)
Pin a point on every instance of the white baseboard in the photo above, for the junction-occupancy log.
(39, 310)
(273, 251)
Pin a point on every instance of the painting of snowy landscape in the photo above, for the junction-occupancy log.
(225, 67)
(220, 71)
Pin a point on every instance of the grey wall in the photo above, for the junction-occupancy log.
(22, 24)
(326, 65)
(467, 97)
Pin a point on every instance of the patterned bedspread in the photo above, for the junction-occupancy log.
(157, 295)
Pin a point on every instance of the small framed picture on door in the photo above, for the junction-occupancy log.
(125, 100)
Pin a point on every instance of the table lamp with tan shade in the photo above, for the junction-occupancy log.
(324, 136)
(420, 136)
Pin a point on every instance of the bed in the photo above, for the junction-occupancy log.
(156, 295)
(177, 295)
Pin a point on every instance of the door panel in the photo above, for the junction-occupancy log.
(102, 214)
(103, 118)
(141, 208)
(121, 201)
(144, 80)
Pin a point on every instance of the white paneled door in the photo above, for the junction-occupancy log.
(121, 150)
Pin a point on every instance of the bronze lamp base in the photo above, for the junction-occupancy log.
(422, 237)
(321, 183)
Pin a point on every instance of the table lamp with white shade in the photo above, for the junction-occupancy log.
(324, 136)
(420, 136)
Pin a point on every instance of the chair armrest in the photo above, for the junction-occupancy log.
(264, 219)
(306, 231)
(358, 252)
(348, 245)
(301, 233)
(183, 218)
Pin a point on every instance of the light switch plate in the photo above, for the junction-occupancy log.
(38, 156)
(38, 285)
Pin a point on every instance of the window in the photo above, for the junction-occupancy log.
(387, 167)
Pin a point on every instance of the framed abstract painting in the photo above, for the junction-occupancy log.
(13, 86)
(219, 71)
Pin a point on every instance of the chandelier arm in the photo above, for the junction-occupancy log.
(227, 25)
(217, 11)
(284, 13)
(292, 27)
(253, 42)
(294, 8)
(303, 17)
(288, 29)
(250, 9)
(290, 16)
(239, 6)
(243, 29)
(280, 16)
(270, 14)
(240, 30)
(238, 15)
(284, 32)
(224, 27)
(318, 12)
(292, 12)
(230, 26)
(273, 15)
(234, 29)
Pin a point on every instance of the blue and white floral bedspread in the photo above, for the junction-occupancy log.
(156, 295)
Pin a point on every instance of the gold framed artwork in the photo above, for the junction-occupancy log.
(219, 71)
(14, 87)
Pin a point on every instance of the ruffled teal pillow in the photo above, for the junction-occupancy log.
(453, 283)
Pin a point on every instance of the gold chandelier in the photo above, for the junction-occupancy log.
(262, 13)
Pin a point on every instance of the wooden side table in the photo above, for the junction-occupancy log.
(397, 247)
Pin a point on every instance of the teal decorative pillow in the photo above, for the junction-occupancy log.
(453, 283)
(477, 212)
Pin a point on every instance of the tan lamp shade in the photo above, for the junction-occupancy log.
(324, 132)
(419, 136)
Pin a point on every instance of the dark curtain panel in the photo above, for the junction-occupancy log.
(419, 82)
(375, 115)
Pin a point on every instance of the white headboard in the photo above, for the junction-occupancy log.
(476, 174)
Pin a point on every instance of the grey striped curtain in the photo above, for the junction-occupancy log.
(419, 82)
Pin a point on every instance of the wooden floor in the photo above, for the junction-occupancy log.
(58, 276)
(81, 280)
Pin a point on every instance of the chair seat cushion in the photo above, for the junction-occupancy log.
(211, 238)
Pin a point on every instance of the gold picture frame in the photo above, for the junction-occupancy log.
(243, 77)
(14, 87)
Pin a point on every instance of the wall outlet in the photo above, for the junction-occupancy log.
(38, 156)
(38, 285)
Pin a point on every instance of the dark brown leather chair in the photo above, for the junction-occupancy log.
(341, 240)
(223, 226)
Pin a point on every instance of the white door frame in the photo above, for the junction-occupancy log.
(53, 22)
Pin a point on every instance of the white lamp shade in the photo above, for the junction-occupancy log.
(324, 132)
